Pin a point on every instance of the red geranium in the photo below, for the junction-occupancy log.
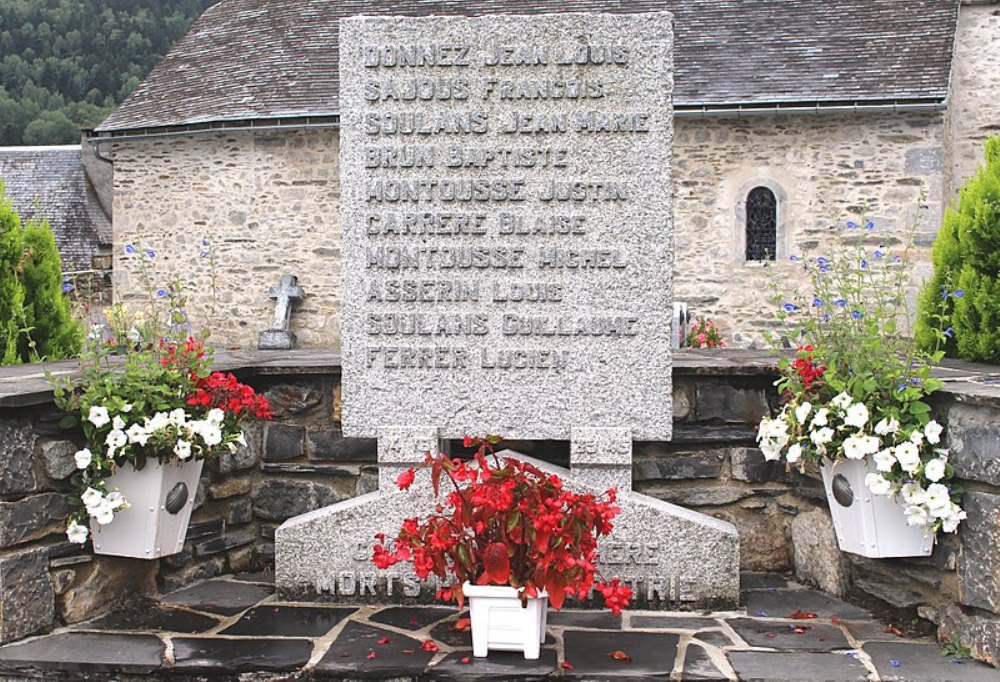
(506, 522)
(224, 391)
(810, 373)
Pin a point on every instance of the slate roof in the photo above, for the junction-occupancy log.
(265, 59)
(49, 182)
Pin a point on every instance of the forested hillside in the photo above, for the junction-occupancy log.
(66, 63)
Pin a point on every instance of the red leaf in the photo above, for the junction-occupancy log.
(566, 665)
(429, 645)
(620, 655)
(800, 615)
(497, 563)
(462, 625)
(892, 630)
(557, 590)
(405, 479)
(371, 655)
(835, 620)
(384, 640)
(466, 660)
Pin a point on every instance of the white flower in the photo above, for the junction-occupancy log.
(949, 524)
(83, 458)
(933, 432)
(878, 484)
(938, 500)
(118, 422)
(77, 533)
(820, 418)
(216, 416)
(821, 437)
(934, 470)
(917, 438)
(884, 460)
(137, 433)
(91, 499)
(157, 422)
(908, 456)
(916, 515)
(772, 434)
(913, 494)
(116, 438)
(887, 426)
(116, 500)
(857, 415)
(104, 514)
(241, 439)
(802, 411)
(854, 447)
(134, 335)
(794, 452)
(842, 401)
(98, 416)
(127, 407)
(183, 449)
(178, 416)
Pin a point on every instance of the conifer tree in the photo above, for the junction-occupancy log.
(54, 332)
(11, 287)
(962, 298)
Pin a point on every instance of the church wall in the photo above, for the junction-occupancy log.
(268, 205)
(975, 89)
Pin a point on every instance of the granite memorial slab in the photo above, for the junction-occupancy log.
(507, 258)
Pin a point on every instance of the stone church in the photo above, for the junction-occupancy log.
(790, 116)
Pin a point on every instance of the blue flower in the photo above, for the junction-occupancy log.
(864, 264)
(129, 248)
(958, 293)
(856, 314)
(817, 302)
(879, 253)
(150, 253)
(826, 317)
(203, 253)
(790, 307)
(949, 332)
(944, 293)
(894, 663)
(839, 302)
(794, 258)
(896, 259)
(851, 224)
(161, 293)
(869, 225)
(67, 287)
(822, 261)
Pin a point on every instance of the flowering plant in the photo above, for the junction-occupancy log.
(506, 522)
(856, 388)
(704, 334)
(142, 395)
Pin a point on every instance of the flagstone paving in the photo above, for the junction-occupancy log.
(235, 628)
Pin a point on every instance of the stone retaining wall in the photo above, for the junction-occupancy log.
(301, 461)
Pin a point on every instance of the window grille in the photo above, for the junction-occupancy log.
(762, 224)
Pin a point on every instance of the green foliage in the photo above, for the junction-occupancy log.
(35, 318)
(960, 304)
(953, 648)
(66, 63)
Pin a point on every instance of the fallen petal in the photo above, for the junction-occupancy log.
(620, 655)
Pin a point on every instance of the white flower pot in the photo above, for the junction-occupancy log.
(161, 498)
(501, 623)
(867, 524)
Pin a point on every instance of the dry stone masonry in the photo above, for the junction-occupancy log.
(507, 261)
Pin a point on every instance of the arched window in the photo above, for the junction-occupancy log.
(761, 224)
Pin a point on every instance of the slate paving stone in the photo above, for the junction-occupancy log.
(673, 622)
(761, 581)
(590, 654)
(351, 654)
(781, 603)
(154, 618)
(919, 662)
(77, 652)
(761, 666)
(799, 635)
(222, 656)
(219, 596)
(598, 620)
(715, 637)
(698, 666)
(288, 621)
(870, 631)
(447, 634)
(411, 617)
(499, 665)
(255, 577)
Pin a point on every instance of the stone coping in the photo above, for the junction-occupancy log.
(233, 628)
(27, 385)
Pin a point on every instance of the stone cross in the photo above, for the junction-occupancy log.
(278, 337)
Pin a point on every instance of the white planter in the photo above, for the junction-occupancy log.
(501, 623)
(870, 525)
(152, 526)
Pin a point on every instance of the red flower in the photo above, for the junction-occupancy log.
(405, 479)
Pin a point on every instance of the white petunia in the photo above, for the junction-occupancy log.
(908, 456)
(884, 460)
(118, 423)
(182, 449)
(913, 493)
(869, 444)
(933, 432)
(794, 452)
(854, 447)
(216, 416)
(127, 407)
(878, 484)
(887, 426)
(916, 515)
(157, 422)
(857, 415)
(91, 499)
(949, 524)
(820, 418)
(820, 437)
(77, 533)
(116, 438)
(98, 416)
(842, 401)
(104, 514)
(917, 438)
(241, 439)
(116, 500)
(83, 458)
(934, 470)
(802, 412)
(137, 433)
(938, 499)
(178, 416)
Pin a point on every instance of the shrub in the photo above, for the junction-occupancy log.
(960, 304)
